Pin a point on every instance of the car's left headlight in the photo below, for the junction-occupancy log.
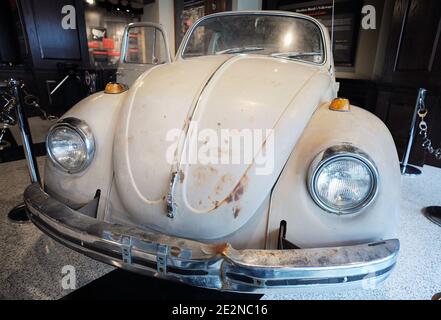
(343, 180)
(70, 145)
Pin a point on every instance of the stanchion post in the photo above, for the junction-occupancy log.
(25, 132)
(406, 168)
(18, 214)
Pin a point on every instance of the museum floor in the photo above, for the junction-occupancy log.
(31, 264)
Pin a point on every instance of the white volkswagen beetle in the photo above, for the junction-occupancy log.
(234, 167)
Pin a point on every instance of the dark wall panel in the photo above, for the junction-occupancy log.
(53, 41)
(9, 38)
(414, 44)
(415, 52)
(51, 44)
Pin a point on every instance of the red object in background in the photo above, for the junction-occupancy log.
(93, 44)
(106, 53)
(108, 43)
(114, 53)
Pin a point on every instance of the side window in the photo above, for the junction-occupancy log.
(160, 49)
(145, 45)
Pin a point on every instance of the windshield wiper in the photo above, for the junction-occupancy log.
(240, 50)
(292, 55)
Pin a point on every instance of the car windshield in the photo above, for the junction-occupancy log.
(274, 35)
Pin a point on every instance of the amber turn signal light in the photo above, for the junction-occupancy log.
(340, 104)
(115, 88)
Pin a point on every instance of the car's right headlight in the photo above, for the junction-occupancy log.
(70, 145)
(343, 180)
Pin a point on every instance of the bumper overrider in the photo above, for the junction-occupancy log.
(214, 266)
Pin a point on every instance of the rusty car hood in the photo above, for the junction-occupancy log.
(274, 97)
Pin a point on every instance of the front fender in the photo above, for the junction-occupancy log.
(307, 224)
(100, 111)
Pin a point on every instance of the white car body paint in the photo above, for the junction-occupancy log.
(229, 91)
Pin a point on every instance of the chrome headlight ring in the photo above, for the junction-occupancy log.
(81, 128)
(344, 152)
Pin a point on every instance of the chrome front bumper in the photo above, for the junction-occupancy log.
(214, 266)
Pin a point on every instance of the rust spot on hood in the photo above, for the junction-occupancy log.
(236, 194)
(186, 124)
(225, 180)
(236, 212)
(213, 170)
(238, 190)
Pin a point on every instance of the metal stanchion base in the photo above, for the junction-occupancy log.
(410, 171)
(433, 214)
(18, 214)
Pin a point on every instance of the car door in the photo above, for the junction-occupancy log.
(144, 46)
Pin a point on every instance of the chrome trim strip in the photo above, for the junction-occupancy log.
(338, 152)
(172, 208)
(82, 128)
(156, 26)
(213, 266)
(169, 200)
